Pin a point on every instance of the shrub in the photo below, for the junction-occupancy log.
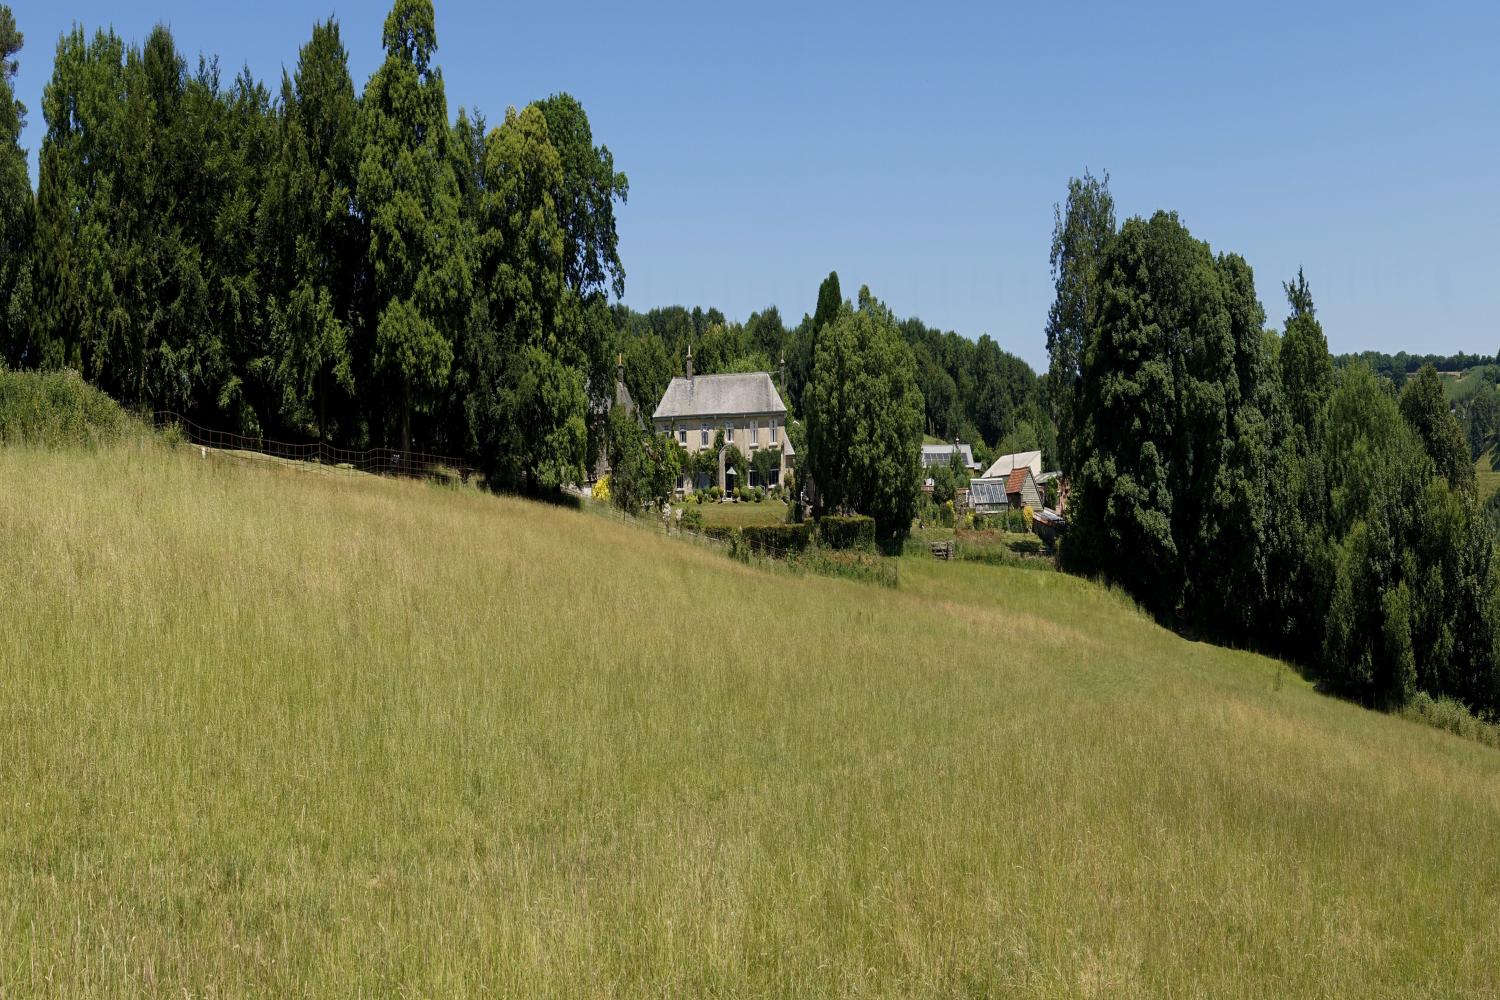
(56, 410)
(601, 488)
(759, 494)
(866, 567)
(714, 493)
(1027, 546)
(854, 531)
(692, 519)
(721, 532)
(777, 539)
(1000, 555)
(1451, 715)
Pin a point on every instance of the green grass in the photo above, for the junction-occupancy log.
(265, 732)
(1466, 384)
(1486, 475)
(56, 409)
(740, 514)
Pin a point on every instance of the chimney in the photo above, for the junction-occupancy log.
(690, 363)
(620, 367)
(781, 374)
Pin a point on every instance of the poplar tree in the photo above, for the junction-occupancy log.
(864, 418)
(526, 403)
(1082, 230)
(311, 238)
(409, 196)
(16, 208)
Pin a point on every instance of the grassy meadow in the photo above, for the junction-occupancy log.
(277, 732)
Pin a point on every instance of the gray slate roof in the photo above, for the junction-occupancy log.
(720, 396)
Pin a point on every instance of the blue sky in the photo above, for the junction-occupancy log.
(921, 151)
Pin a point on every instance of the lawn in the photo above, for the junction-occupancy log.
(265, 732)
(741, 514)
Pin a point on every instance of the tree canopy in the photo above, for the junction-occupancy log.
(864, 418)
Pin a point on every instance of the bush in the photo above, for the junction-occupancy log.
(1008, 520)
(1451, 715)
(722, 532)
(714, 493)
(855, 531)
(692, 519)
(1027, 546)
(777, 539)
(1000, 555)
(56, 410)
(866, 567)
(759, 494)
(601, 488)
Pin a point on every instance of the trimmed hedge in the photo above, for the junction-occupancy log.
(722, 532)
(56, 410)
(777, 539)
(855, 531)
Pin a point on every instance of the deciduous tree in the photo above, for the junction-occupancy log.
(864, 418)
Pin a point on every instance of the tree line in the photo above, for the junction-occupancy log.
(1399, 366)
(355, 266)
(352, 265)
(1239, 485)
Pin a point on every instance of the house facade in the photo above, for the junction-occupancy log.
(745, 408)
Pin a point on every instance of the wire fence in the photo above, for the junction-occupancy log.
(378, 461)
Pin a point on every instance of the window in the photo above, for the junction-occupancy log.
(704, 441)
(754, 434)
(682, 435)
(773, 430)
(729, 433)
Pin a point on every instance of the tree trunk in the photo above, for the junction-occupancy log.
(405, 418)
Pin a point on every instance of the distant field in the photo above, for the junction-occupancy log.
(1486, 475)
(265, 732)
(1466, 384)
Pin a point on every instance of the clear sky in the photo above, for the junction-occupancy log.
(919, 149)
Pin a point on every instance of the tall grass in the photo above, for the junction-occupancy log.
(266, 732)
(56, 409)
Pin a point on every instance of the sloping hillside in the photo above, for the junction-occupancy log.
(269, 731)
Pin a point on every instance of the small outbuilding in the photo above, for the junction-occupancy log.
(1021, 489)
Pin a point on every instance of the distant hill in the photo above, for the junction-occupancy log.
(1397, 367)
